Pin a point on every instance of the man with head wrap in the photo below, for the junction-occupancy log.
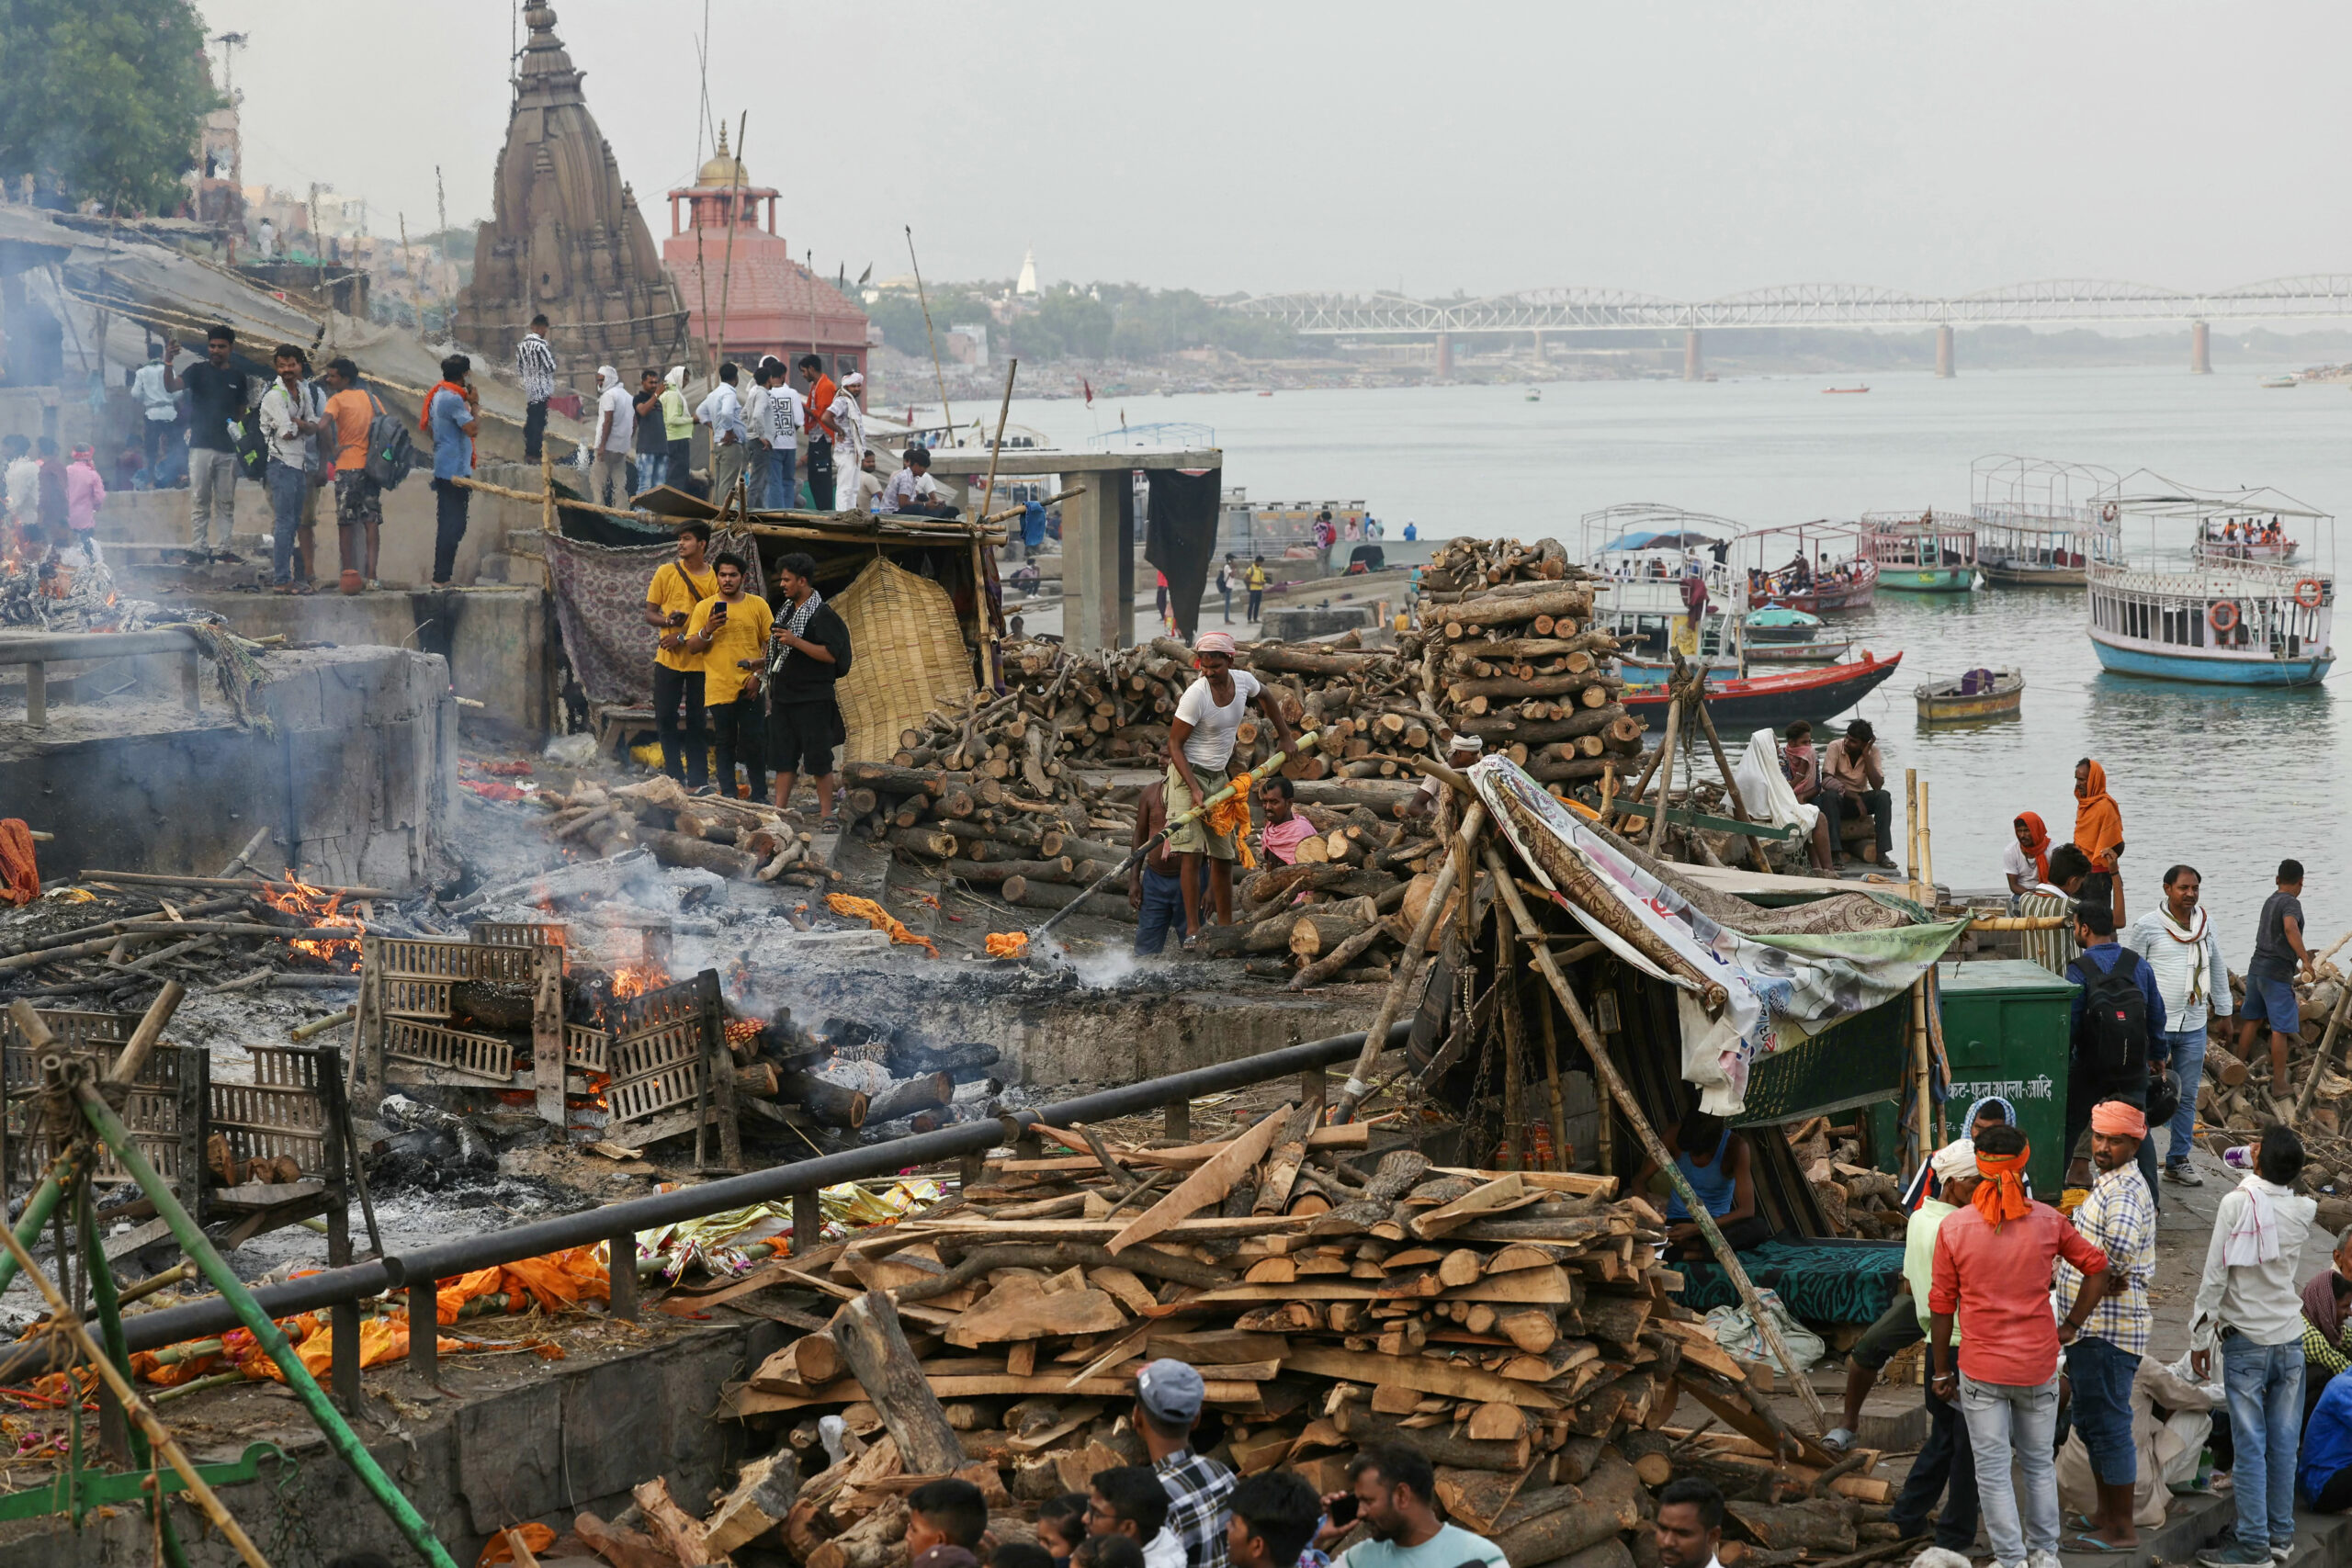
(1947, 1465)
(1200, 746)
(615, 435)
(1992, 1280)
(2119, 1218)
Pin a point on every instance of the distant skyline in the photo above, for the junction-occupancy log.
(1679, 150)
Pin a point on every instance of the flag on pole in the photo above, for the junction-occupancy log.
(1089, 391)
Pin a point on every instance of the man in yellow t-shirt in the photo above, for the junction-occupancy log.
(1256, 583)
(670, 600)
(729, 630)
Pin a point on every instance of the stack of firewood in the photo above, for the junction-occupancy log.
(745, 840)
(1511, 1326)
(1509, 655)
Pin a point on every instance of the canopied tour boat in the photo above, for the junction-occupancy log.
(2209, 617)
(1830, 569)
(1653, 567)
(2039, 523)
(1924, 552)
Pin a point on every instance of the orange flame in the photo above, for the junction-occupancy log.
(317, 906)
(636, 979)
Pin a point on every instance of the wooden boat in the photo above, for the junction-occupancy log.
(1822, 595)
(1815, 652)
(1779, 624)
(1931, 552)
(1844, 392)
(1977, 696)
(2041, 523)
(1776, 699)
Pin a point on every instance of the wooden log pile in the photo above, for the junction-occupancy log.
(745, 841)
(1511, 1326)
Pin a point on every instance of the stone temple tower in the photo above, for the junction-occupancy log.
(565, 238)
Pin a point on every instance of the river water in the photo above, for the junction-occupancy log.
(2227, 780)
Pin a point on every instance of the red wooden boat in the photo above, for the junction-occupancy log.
(1777, 699)
(1822, 595)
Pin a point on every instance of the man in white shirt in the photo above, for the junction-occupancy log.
(2177, 940)
(722, 410)
(849, 441)
(289, 418)
(2247, 1301)
(913, 489)
(1689, 1523)
(756, 464)
(161, 425)
(1200, 745)
(1393, 1489)
(615, 437)
(787, 412)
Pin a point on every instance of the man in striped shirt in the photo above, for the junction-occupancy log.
(534, 362)
(2120, 1219)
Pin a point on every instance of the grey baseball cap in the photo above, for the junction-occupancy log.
(1170, 1390)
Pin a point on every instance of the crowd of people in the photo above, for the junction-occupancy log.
(1182, 1508)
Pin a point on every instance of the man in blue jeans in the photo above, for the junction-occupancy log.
(2179, 941)
(1154, 893)
(2269, 978)
(2116, 1014)
(2249, 1303)
(290, 415)
(2120, 1219)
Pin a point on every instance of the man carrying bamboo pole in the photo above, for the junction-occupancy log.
(1200, 745)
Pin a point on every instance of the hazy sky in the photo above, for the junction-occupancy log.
(1671, 149)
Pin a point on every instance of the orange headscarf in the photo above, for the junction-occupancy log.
(2001, 1196)
(2099, 825)
(2040, 848)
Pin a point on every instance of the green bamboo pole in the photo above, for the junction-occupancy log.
(109, 1301)
(266, 1333)
(37, 1209)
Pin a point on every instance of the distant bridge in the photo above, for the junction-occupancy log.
(2053, 302)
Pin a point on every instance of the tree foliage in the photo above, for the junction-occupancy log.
(107, 99)
(1103, 321)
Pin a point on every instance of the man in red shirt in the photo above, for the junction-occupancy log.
(1992, 1272)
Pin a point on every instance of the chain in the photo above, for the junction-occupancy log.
(1477, 1141)
(292, 1529)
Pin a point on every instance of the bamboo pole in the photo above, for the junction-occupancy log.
(1666, 773)
(1514, 1066)
(266, 1333)
(1927, 850)
(2326, 1049)
(1408, 964)
(1731, 786)
(1552, 1082)
(946, 414)
(64, 1321)
(1605, 1070)
(980, 564)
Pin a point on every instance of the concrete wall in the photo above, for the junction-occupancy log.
(357, 783)
(405, 555)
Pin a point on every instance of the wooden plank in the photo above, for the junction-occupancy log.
(1446, 1379)
(1205, 1186)
(1245, 1397)
(1550, 1285)
(1502, 1194)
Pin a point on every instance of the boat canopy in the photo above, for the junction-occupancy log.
(1777, 616)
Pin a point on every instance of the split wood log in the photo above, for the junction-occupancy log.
(1332, 962)
(930, 842)
(1029, 871)
(1358, 1424)
(679, 849)
(1060, 896)
(925, 1092)
(866, 1332)
(828, 1101)
(1328, 926)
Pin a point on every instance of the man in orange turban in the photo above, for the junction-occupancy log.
(2119, 1218)
(1991, 1279)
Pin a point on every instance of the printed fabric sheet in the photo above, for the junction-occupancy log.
(1780, 990)
(599, 608)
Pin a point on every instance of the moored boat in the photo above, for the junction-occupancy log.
(1777, 699)
(2222, 620)
(2040, 523)
(1818, 651)
(1929, 552)
(1779, 624)
(1980, 694)
(1660, 584)
(1830, 570)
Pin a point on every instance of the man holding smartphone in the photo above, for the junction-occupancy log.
(729, 631)
(670, 600)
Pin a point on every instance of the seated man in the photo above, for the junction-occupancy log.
(1801, 766)
(1853, 781)
(2324, 1469)
(1284, 828)
(912, 489)
(2327, 1323)
(1715, 1161)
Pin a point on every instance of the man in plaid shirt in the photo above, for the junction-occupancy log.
(2118, 1218)
(535, 363)
(1168, 1395)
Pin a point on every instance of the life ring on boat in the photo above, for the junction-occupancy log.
(2223, 616)
(2317, 593)
(2109, 513)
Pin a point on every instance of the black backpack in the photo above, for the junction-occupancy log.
(2115, 1019)
(252, 445)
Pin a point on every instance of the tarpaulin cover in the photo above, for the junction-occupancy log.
(599, 608)
(1179, 521)
(1779, 989)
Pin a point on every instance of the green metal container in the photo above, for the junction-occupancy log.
(2006, 1032)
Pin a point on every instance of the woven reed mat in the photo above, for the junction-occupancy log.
(908, 655)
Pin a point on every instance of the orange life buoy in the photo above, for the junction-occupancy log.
(2107, 513)
(2222, 615)
(2317, 591)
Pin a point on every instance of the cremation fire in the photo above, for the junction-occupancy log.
(320, 909)
(636, 979)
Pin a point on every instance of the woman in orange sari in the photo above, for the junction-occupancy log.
(2098, 824)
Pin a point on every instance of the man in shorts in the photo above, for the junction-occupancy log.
(2269, 980)
(809, 650)
(1200, 745)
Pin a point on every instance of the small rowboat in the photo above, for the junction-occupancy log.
(1980, 694)
(1799, 652)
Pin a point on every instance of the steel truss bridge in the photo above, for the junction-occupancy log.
(2062, 302)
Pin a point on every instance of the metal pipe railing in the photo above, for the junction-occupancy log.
(37, 651)
(621, 1222)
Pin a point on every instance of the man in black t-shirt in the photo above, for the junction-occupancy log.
(809, 650)
(2278, 954)
(218, 395)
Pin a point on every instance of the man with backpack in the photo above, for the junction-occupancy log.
(2118, 1010)
(358, 499)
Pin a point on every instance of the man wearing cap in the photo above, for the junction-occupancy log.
(1462, 751)
(1200, 745)
(2120, 1219)
(1947, 1465)
(1169, 1395)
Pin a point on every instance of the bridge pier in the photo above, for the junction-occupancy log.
(1692, 368)
(2200, 349)
(1944, 353)
(1445, 353)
